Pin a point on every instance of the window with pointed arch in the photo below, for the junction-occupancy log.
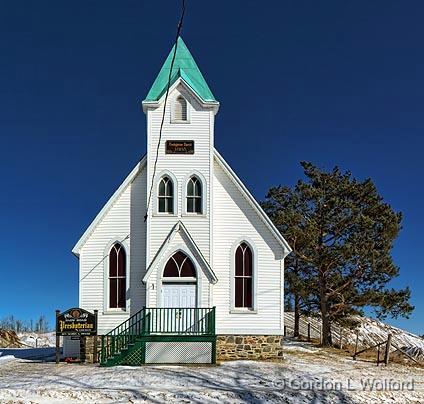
(180, 109)
(179, 266)
(166, 195)
(243, 277)
(194, 195)
(117, 277)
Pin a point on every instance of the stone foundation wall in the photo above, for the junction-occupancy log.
(230, 347)
(87, 348)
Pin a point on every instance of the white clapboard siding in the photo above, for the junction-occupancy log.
(124, 217)
(138, 242)
(235, 218)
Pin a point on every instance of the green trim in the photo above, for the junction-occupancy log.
(177, 338)
(213, 353)
(185, 68)
(143, 352)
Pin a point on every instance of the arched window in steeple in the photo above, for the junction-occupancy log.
(194, 195)
(166, 195)
(180, 109)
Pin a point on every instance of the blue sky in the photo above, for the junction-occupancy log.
(336, 83)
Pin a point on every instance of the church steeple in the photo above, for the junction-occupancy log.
(185, 68)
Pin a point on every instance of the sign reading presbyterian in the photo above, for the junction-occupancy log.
(179, 147)
(75, 322)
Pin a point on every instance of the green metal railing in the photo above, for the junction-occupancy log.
(181, 321)
(158, 321)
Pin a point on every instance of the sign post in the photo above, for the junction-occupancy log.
(95, 348)
(57, 340)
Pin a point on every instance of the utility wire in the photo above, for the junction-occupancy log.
(180, 24)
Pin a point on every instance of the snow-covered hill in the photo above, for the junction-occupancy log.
(9, 339)
(35, 340)
(369, 333)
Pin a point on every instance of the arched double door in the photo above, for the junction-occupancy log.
(179, 282)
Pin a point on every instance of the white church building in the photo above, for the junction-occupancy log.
(182, 263)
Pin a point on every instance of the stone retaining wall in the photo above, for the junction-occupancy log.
(230, 347)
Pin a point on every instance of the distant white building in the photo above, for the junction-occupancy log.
(205, 243)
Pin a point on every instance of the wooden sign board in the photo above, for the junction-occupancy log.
(179, 147)
(76, 322)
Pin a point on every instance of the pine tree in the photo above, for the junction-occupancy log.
(343, 232)
(283, 207)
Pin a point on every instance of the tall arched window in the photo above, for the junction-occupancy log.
(166, 195)
(243, 277)
(117, 277)
(194, 195)
(180, 109)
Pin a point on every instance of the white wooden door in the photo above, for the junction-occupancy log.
(179, 296)
(175, 295)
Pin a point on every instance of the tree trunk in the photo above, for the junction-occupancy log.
(296, 314)
(325, 314)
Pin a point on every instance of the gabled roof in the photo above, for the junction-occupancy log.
(137, 169)
(179, 227)
(249, 197)
(185, 68)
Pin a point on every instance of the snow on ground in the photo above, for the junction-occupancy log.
(306, 375)
(4, 358)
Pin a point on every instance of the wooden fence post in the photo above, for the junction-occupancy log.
(341, 337)
(356, 344)
(57, 340)
(387, 353)
(309, 331)
(285, 331)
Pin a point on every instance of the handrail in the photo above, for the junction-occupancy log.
(134, 316)
(194, 321)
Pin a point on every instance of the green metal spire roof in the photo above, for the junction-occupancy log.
(184, 67)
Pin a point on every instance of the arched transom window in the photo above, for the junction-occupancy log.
(117, 277)
(243, 277)
(194, 195)
(180, 109)
(179, 266)
(166, 195)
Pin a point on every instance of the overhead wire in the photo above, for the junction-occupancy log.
(180, 24)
